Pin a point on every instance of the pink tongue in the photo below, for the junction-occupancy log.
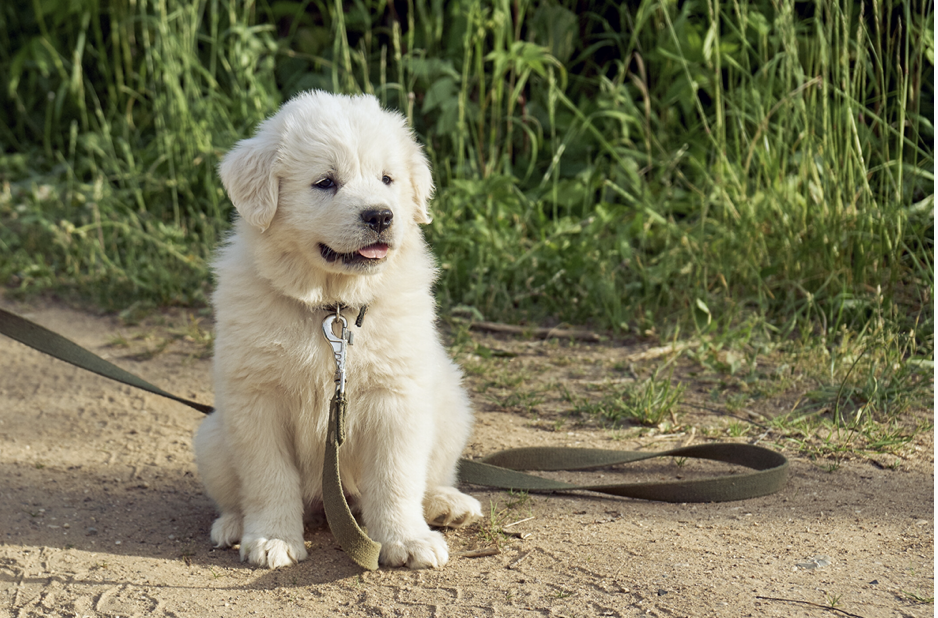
(374, 252)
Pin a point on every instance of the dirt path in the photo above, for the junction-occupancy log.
(102, 514)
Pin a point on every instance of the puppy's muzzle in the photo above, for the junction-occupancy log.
(377, 219)
(376, 223)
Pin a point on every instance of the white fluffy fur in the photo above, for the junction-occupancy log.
(260, 454)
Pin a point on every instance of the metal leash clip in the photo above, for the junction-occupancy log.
(339, 345)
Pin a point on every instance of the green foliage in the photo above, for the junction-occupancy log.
(113, 121)
(624, 164)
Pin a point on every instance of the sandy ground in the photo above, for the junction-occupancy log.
(102, 513)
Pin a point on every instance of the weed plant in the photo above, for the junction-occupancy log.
(649, 402)
(620, 164)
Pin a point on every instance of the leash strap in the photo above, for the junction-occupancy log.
(359, 547)
(500, 470)
(57, 346)
(353, 540)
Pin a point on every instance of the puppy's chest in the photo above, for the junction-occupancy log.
(371, 361)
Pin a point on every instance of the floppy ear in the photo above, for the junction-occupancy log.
(248, 172)
(422, 182)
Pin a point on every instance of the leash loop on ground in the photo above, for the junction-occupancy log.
(502, 470)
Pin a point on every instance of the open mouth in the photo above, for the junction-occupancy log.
(369, 254)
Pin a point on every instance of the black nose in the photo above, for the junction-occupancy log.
(378, 220)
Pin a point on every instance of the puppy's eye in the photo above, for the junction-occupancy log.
(386, 179)
(325, 183)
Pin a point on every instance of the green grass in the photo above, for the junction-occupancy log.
(491, 529)
(649, 402)
(916, 597)
(633, 166)
(113, 121)
(858, 394)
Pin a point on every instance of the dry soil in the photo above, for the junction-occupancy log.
(102, 512)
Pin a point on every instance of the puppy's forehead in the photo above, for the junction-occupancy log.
(347, 135)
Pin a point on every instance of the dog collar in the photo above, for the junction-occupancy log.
(338, 308)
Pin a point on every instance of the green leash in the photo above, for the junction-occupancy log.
(500, 470)
(359, 547)
(57, 346)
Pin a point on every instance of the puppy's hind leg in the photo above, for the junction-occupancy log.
(443, 504)
(220, 480)
(449, 507)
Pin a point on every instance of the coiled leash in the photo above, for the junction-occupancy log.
(500, 470)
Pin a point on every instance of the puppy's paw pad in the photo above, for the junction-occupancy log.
(426, 552)
(447, 506)
(272, 553)
(226, 531)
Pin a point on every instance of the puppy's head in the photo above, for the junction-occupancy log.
(334, 177)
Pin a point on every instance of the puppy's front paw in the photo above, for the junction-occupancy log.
(427, 551)
(272, 553)
(447, 506)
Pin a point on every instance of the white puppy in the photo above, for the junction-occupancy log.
(330, 192)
